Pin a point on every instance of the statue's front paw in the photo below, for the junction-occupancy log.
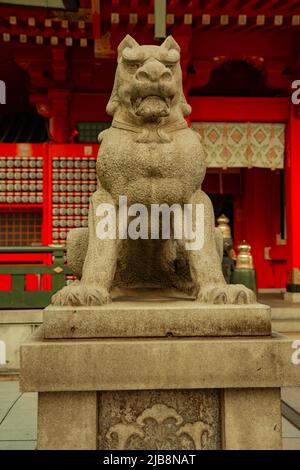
(226, 294)
(77, 294)
(242, 295)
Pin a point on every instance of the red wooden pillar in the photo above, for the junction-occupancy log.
(184, 43)
(293, 200)
(59, 123)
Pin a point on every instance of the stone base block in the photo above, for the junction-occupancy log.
(252, 419)
(160, 419)
(159, 316)
(159, 393)
(67, 420)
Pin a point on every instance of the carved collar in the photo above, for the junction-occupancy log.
(158, 134)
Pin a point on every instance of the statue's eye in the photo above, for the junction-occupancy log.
(131, 66)
(170, 66)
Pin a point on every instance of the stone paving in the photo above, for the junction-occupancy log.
(18, 418)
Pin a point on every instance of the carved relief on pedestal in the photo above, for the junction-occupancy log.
(159, 426)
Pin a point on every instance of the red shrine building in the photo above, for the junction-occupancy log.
(239, 60)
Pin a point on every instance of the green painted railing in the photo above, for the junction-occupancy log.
(17, 296)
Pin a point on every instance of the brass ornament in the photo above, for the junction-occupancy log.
(223, 224)
(294, 276)
(244, 258)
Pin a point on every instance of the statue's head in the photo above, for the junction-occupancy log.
(148, 81)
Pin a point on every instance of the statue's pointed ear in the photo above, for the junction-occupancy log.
(128, 41)
(170, 43)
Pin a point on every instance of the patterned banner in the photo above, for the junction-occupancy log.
(248, 144)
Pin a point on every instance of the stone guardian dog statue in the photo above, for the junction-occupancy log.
(151, 156)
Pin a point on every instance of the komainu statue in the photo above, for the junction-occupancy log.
(149, 156)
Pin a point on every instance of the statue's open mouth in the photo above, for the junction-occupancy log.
(152, 106)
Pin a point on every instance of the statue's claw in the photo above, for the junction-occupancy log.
(77, 294)
(226, 294)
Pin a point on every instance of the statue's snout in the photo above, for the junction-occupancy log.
(153, 71)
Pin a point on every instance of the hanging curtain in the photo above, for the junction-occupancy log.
(248, 145)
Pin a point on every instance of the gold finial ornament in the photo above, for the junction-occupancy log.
(244, 258)
(223, 224)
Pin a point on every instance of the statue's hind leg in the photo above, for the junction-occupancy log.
(99, 265)
(205, 262)
(77, 245)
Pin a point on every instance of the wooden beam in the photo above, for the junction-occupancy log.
(211, 5)
(160, 12)
(218, 109)
(96, 26)
(263, 5)
(250, 8)
(283, 7)
(96, 18)
(230, 6)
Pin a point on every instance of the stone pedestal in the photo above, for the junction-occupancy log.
(158, 374)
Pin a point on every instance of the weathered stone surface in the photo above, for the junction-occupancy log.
(67, 420)
(252, 419)
(160, 420)
(150, 156)
(146, 364)
(158, 318)
(248, 419)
